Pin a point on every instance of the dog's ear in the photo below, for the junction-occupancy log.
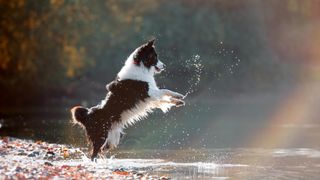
(151, 42)
(143, 51)
(148, 45)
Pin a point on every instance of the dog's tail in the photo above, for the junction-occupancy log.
(79, 115)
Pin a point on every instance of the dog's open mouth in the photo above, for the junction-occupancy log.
(158, 69)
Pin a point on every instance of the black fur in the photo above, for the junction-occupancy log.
(147, 55)
(123, 95)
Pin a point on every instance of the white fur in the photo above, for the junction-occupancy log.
(141, 73)
(114, 136)
(141, 110)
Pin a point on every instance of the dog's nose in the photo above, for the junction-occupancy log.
(164, 66)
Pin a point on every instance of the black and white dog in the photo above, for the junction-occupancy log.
(132, 95)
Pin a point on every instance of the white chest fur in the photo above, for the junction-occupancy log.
(129, 117)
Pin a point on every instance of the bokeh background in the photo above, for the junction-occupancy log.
(259, 78)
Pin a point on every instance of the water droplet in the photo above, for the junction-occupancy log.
(194, 65)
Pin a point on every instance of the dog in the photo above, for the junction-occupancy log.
(130, 97)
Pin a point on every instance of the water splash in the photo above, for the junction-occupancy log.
(194, 64)
(230, 60)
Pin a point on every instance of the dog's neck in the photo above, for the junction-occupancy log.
(134, 72)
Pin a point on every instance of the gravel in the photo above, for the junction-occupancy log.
(26, 159)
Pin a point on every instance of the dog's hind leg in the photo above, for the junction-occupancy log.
(97, 146)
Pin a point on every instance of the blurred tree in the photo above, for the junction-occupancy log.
(53, 47)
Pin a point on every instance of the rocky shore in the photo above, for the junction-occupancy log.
(26, 159)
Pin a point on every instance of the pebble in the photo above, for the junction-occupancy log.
(48, 164)
(34, 154)
(25, 159)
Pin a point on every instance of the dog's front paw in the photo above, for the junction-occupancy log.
(177, 102)
(180, 103)
(178, 95)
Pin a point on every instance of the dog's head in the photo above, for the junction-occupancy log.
(146, 56)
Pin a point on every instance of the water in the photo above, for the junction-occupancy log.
(220, 142)
(194, 64)
(236, 163)
(185, 163)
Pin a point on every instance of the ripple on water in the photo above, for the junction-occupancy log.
(311, 153)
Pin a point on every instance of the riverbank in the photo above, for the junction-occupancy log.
(26, 159)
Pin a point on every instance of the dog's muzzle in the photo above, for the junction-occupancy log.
(160, 66)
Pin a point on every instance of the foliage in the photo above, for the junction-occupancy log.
(53, 47)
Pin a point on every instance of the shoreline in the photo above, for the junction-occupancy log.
(28, 159)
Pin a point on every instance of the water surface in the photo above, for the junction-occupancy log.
(221, 144)
(236, 163)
